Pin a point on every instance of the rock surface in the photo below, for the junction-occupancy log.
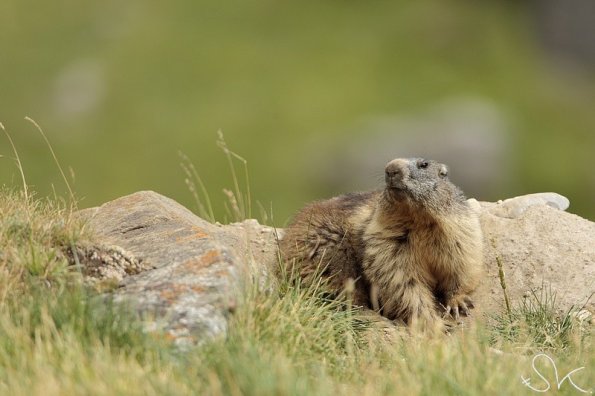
(185, 275)
(196, 268)
(539, 247)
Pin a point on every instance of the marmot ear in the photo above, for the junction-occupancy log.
(443, 171)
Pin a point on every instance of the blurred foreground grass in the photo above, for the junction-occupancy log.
(120, 87)
(57, 337)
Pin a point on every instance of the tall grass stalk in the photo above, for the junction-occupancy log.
(502, 277)
(18, 160)
(241, 204)
(238, 205)
(70, 191)
(193, 178)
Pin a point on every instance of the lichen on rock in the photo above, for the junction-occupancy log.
(104, 264)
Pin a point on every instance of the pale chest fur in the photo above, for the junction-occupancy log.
(432, 252)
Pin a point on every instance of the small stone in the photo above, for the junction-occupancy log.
(583, 316)
(512, 208)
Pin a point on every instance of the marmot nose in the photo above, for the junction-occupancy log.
(394, 175)
(395, 169)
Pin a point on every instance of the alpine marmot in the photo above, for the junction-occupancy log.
(411, 251)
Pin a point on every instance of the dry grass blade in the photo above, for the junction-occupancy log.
(18, 160)
(72, 197)
(244, 203)
(502, 277)
(192, 175)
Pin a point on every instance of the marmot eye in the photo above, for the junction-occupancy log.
(422, 164)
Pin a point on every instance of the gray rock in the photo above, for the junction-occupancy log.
(198, 269)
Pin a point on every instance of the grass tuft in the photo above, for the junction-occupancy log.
(536, 325)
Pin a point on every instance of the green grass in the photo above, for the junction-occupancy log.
(537, 326)
(58, 337)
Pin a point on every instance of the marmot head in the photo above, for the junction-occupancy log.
(421, 181)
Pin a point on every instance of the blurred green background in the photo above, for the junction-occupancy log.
(309, 93)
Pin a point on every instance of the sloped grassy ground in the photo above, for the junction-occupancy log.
(58, 337)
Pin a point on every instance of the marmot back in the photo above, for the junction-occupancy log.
(413, 249)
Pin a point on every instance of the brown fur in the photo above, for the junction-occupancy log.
(413, 249)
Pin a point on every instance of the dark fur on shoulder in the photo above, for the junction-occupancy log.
(322, 239)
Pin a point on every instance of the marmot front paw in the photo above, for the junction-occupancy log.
(457, 305)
